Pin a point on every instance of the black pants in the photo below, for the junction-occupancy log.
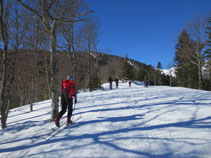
(67, 103)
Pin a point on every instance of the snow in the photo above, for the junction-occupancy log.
(132, 122)
(169, 72)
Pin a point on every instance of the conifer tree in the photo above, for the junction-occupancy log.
(141, 73)
(208, 41)
(158, 75)
(159, 66)
(128, 70)
(186, 72)
(207, 54)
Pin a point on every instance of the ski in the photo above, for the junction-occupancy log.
(73, 122)
(57, 127)
(54, 131)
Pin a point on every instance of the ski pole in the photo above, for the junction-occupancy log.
(74, 104)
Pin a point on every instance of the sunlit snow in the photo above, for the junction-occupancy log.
(130, 122)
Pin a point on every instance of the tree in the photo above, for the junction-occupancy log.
(128, 69)
(158, 73)
(52, 14)
(196, 27)
(171, 71)
(159, 66)
(185, 70)
(97, 65)
(151, 74)
(35, 43)
(207, 54)
(89, 35)
(70, 35)
(19, 30)
(93, 84)
(4, 28)
(208, 40)
(141, 73)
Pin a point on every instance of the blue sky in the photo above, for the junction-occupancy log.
(145, 30)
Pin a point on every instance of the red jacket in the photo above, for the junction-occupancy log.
(68, 87)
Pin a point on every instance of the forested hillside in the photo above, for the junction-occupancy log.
(30, 76)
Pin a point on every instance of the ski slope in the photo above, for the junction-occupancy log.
(132, 122)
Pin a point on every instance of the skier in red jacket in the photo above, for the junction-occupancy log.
(68, 91)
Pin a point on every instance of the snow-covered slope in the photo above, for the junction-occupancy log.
(125, 122)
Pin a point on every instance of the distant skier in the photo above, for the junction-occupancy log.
(117, 82)
(68, 91)
(129, 83)
(110, 82)
(146, 82)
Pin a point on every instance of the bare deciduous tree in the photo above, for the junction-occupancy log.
(196, 27)
(69, 33)
(89, 33)
(97, 61)
(4, 21)
(52, 14)
(19, 28)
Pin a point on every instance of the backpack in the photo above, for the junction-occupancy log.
(68, 88)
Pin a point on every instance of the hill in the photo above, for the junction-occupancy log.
(27, 67)
(158, 121)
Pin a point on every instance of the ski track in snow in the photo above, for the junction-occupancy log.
(135, 122)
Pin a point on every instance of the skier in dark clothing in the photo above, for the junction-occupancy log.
(145, 81)
(117, 82)
(129, 83)
(68, 91)
(110, 82)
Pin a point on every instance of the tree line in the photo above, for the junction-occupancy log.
(192, 61)
(134, 70)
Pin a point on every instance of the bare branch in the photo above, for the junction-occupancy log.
(68, 21)
(50, 5)
(30, 9)
(85, 13)
(74, 21)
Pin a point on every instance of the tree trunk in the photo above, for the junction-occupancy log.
(48, 89)
(4, 65)
(3, 87)
(74, 58)
(170, 80)
(20, 88)
(32, 90)
(89, 63)
(54, 72)
(11, 79)
(97, 64)
(89, 72)
(154, 79)
(199, 73)
(199, 63)
(98, 70)
(70, 59)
